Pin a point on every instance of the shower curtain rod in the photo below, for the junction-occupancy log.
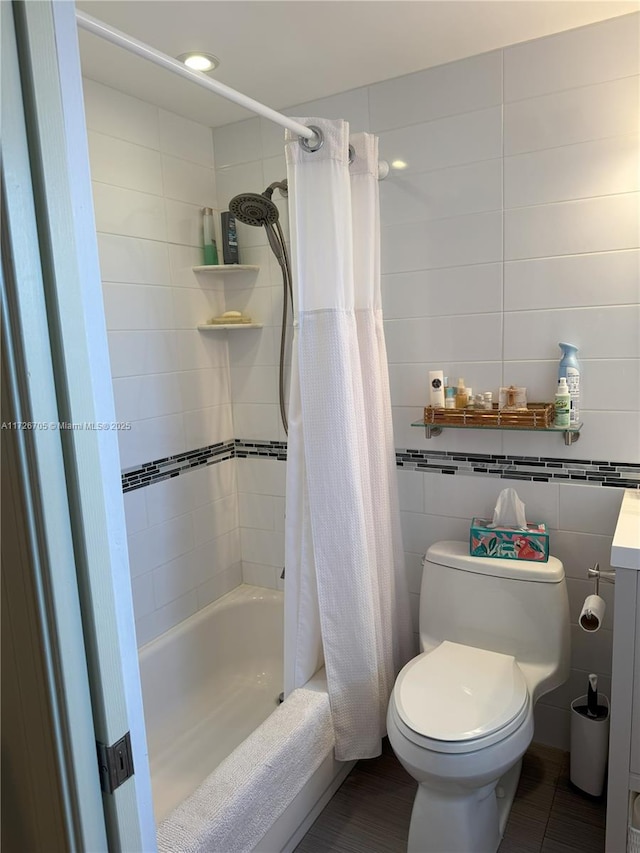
(117, 37)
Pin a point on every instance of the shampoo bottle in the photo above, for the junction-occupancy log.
(210, 253)
(229, 238)
(563, 404)
(569, 369)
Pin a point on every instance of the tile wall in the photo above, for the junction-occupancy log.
(152, 173)
(514, 225)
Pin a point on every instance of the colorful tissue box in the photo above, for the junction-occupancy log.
(508, 543)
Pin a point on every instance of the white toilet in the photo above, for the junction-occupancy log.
(494, 636)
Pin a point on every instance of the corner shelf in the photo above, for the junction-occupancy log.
(223, 269)
(223, 327)
(571, 434)
(226, 268)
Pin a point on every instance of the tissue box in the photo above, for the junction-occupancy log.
(508, 543)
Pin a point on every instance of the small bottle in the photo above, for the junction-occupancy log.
(210, 249)
(478, 401)
(461, 395)
(563, 404)
(570, 369)
(436, 389)
(488, 400)
(449, 397)
(469, 392)
(229, 238)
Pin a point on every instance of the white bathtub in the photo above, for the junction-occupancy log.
(206, 685)
(209, 684)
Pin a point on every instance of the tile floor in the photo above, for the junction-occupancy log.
(370, 812)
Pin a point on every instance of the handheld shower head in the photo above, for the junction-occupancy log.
(254, 209)
(259, 210)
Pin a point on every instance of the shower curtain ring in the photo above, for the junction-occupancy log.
(312, 144)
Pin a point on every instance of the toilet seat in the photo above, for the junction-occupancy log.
(458, 698)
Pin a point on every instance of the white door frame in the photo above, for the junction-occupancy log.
(63, 374)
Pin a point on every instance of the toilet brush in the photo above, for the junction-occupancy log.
(592, 696)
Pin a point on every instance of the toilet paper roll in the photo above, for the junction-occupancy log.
(592, 613)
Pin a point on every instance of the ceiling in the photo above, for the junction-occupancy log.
(287, 52)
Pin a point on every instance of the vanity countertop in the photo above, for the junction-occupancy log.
(625, 549)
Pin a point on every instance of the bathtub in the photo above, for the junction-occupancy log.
(210, 688)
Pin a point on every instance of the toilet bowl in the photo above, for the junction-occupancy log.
(494, 636)
(458, 741)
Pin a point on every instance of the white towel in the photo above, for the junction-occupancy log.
(237, 803)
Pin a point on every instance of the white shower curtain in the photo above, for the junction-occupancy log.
(346, 602)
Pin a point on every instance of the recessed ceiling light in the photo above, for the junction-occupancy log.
(398, 164)
(199, 61)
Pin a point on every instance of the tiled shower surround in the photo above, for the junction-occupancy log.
(513, 226)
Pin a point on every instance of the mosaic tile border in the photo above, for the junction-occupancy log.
(538, 469)
(172, 466)
(262, 449)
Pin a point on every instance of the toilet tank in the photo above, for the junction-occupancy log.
(517, 607)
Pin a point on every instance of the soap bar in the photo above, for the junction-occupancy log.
(229, 318)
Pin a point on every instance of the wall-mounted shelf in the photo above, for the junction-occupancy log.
(571, 434)
(224, 269)
(218, 269)
(221, 327)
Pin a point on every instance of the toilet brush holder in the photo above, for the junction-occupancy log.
(589, 745)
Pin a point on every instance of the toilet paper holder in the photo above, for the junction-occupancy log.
(598, 574)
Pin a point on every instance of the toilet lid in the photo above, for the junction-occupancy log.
(458, 693)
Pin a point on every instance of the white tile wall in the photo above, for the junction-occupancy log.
(184, 545)
(466, 138)
(475, 289)
(573, 281)
(120, 116)
(515, 225)
(581, 57)
(570, 116)
(127, 259)
(437, 194)
(152, 173)
(458, 87)
(572, 227)
(599, 168)
(185, 139)
(123, 164)
(261, 490)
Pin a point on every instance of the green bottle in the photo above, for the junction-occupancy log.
(210, 248)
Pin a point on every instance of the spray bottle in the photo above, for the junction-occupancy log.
(569, 369)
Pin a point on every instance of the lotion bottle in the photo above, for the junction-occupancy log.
(563, 404)
(461, 395)
(569, 369)
(436, 389)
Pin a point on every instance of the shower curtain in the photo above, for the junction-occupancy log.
(346, 601)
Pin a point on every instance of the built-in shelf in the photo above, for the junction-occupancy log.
(221, 327)
(223, 269)
(226, 268)
(571, 434)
